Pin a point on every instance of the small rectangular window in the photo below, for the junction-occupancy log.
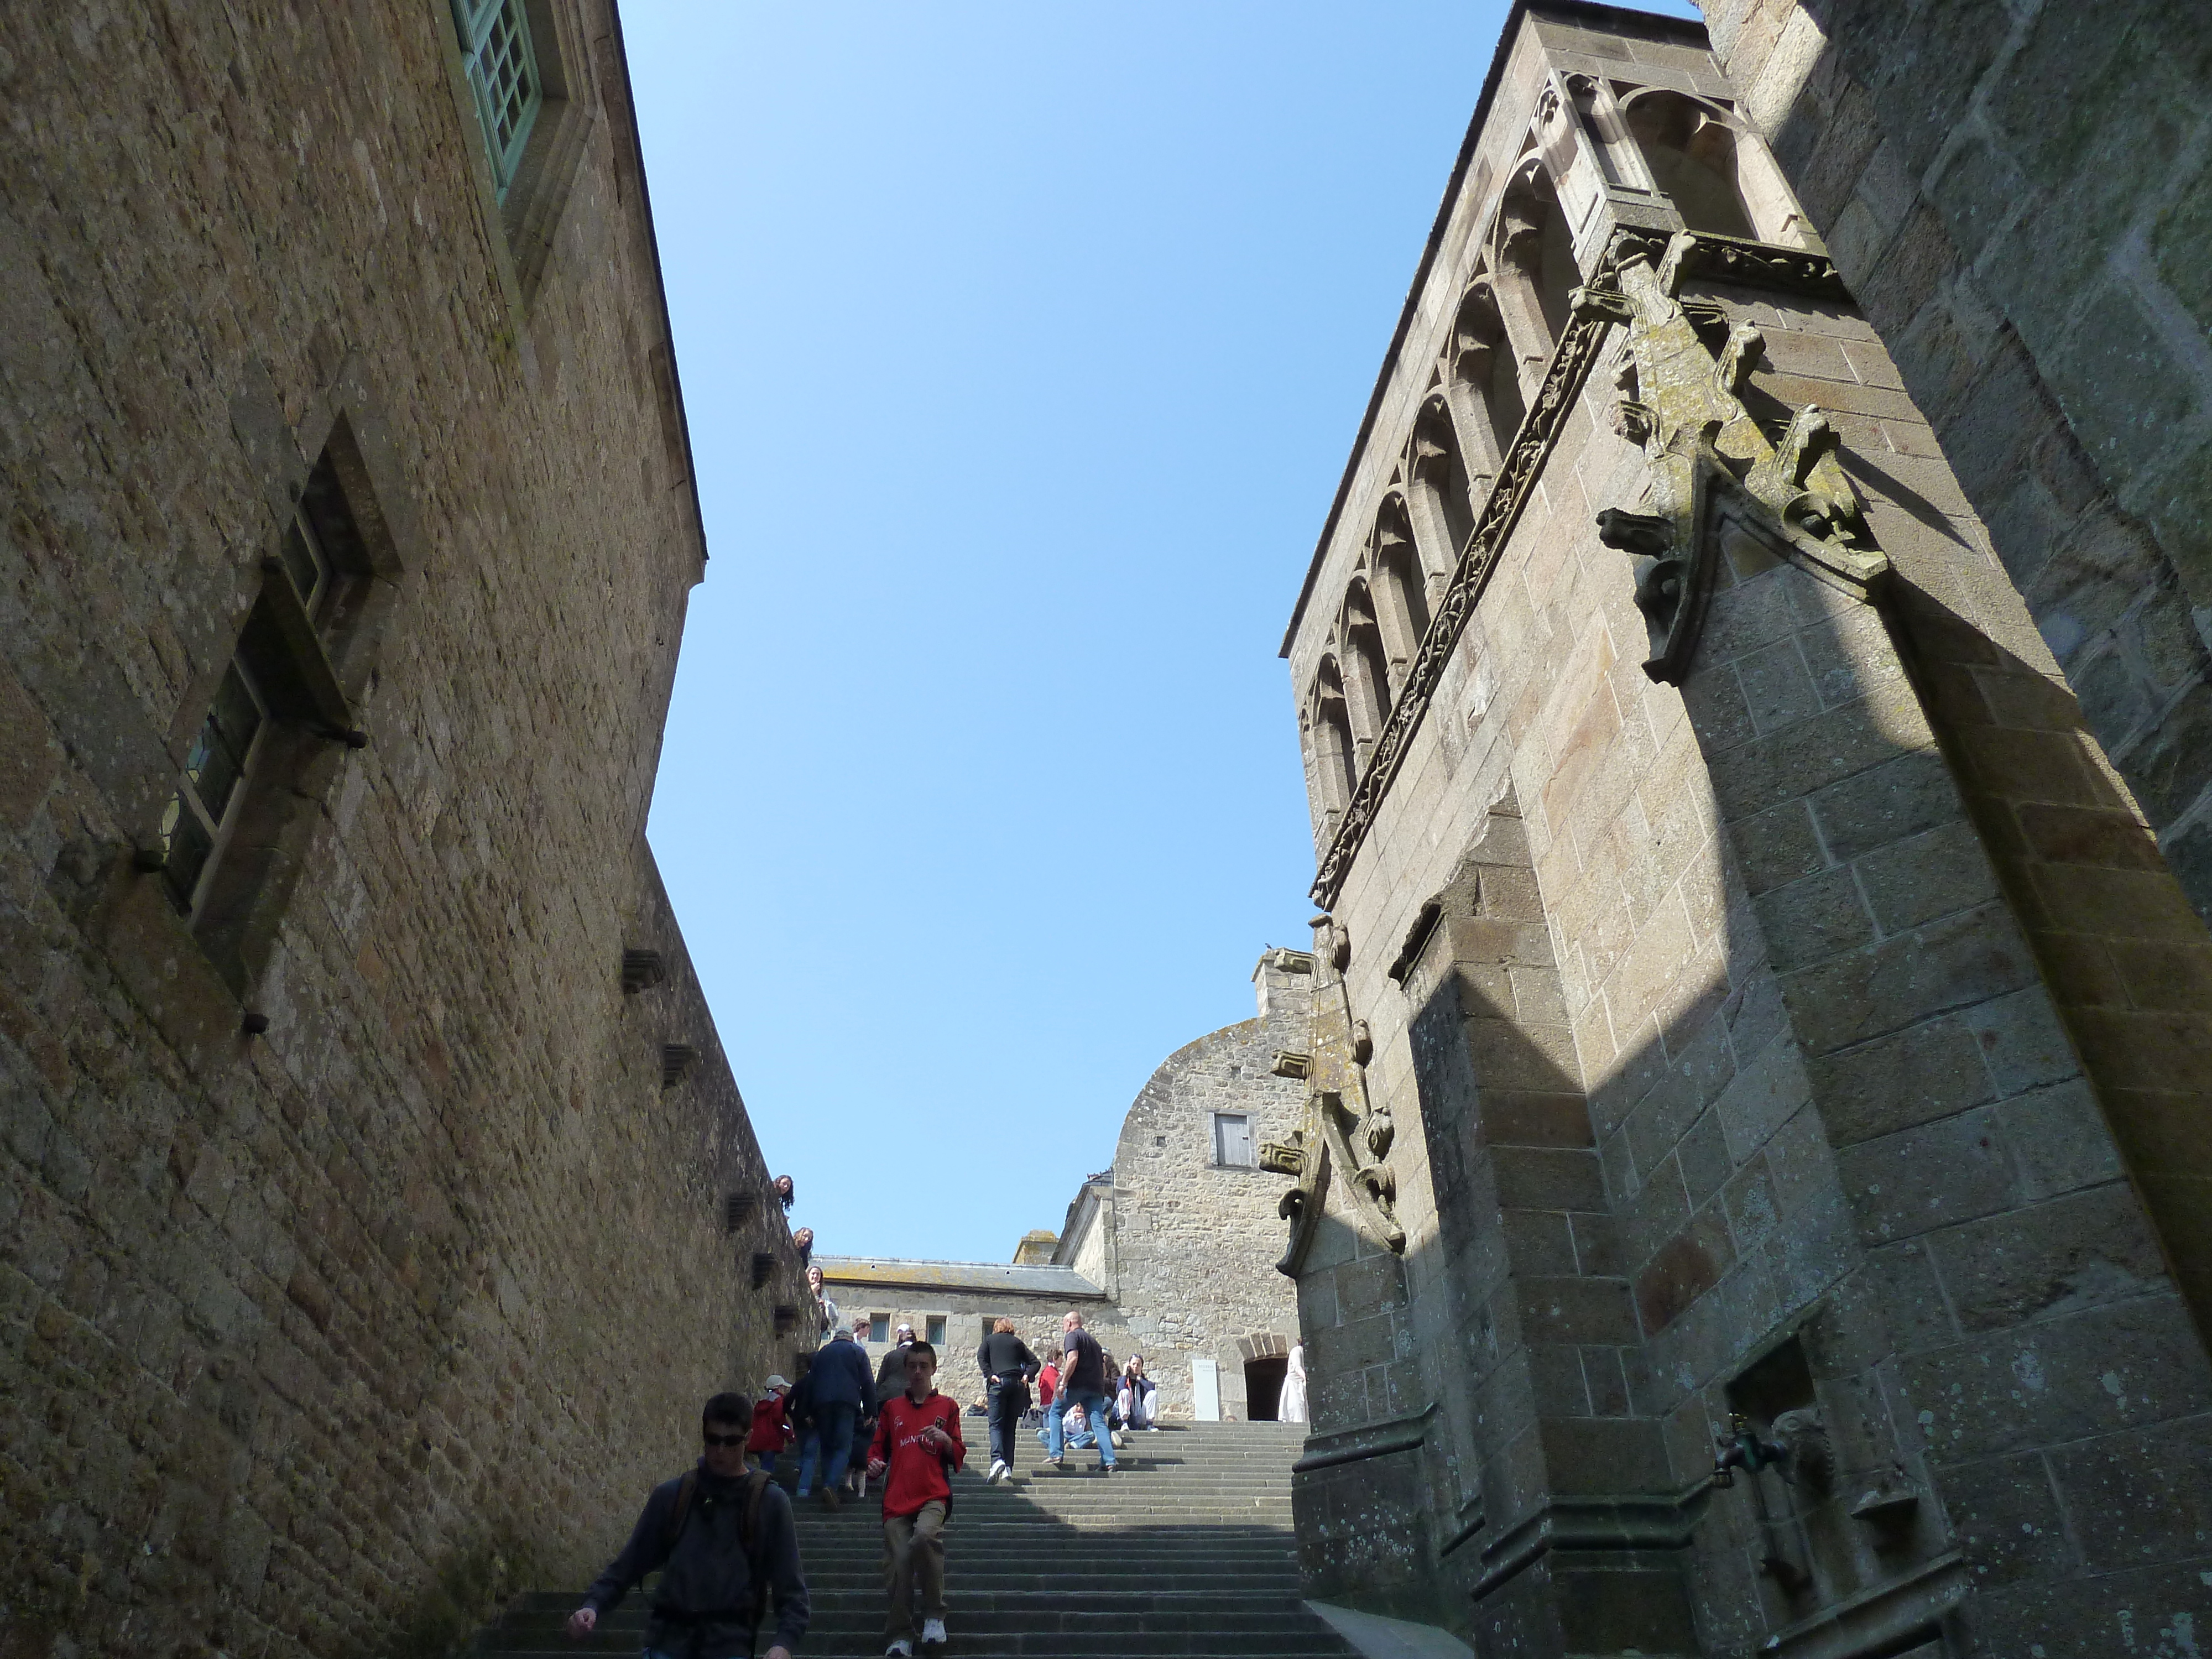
(934, 1331)
(1232, 1140)
(502, 70)
(879, 1328)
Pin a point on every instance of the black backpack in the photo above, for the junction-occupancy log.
(747, 1535)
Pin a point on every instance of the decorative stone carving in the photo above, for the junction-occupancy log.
(1745, 344)
(1673, 579)
(1699, 440)
(1805, 1438)
(1287, 1063)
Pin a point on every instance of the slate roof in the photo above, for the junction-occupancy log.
(985, 1277)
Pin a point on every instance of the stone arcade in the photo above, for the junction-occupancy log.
(346, 1042)
(1752, 1192)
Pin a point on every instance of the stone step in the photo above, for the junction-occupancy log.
(1185, 1551)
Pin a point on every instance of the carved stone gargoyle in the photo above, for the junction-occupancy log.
(1327, 1140)
(1706, 452)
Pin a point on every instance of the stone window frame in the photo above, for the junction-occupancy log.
(524, 209)
(500, 62)
(308, 657)
(1769, 205)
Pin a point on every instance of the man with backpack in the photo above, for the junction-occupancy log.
(724, 1543)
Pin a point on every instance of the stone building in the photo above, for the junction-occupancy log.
(1749, 1197)
(346, 1042)
(1168, 1252)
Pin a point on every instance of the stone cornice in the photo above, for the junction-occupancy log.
(1717, 259)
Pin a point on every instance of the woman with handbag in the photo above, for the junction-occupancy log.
(1006, 1362)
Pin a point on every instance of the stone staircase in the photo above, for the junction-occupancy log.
(1186, 1549)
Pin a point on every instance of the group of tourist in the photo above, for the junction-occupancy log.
(722, 1536)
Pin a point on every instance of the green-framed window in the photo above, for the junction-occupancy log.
(503, 69)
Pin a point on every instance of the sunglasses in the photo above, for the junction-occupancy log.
(726, 1439)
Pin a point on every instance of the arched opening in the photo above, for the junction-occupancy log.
(1537, 273)
(1263, 1387)
(1439, 472)
(1488, 402)
(1401, 588)
(1334, 758)
(1371, 688)
(1692, 155)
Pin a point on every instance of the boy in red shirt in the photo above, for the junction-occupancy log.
(918, 1442)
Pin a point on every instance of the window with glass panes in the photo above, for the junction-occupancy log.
(201, 816)
(934, 1332)
(502, 70)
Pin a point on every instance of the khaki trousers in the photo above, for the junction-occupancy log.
(914, 1547)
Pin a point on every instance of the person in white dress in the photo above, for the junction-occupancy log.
(1292, 1407)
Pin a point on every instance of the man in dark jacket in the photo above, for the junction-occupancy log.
(717, 1564)
(891, 1376)
(1009, 1367)
(843, 1394)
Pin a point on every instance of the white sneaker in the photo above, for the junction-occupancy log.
(999, 1471)
(904, 1648)
(933, 1631)
(1120, 1438)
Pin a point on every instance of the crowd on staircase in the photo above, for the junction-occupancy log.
(724, 1538)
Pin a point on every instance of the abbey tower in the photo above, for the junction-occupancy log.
(1751, 1197)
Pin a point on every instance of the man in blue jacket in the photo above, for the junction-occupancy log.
(843, 1386)
(725, 1544)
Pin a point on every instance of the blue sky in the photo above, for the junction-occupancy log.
(1023, 347)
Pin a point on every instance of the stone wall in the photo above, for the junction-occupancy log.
(1721, 1012)
(371, 1254)
(1194, 1242)
(916, 1292)
(2014, 192)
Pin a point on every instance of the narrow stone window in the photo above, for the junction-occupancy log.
(1232, 1140)
(1337, 759)
(502, 70)
(1692, 154)
(933, 1330)
(879, 1328)
(228, 833)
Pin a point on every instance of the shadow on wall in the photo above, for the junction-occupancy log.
(1897, 982)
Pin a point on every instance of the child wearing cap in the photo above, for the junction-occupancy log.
(772, 1430)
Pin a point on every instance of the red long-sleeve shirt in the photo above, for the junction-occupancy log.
(918, 1473)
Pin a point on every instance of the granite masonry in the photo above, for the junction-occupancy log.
(1751, 1192)
(1169, 1253)
(347, 1044)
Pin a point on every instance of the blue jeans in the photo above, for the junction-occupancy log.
(1094, 1408)
(831, 1435)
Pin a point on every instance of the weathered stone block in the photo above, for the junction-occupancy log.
(1813, 918)
(1953, 962)
(2051, 1259)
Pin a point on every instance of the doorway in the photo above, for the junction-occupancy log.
(1263, 1387)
